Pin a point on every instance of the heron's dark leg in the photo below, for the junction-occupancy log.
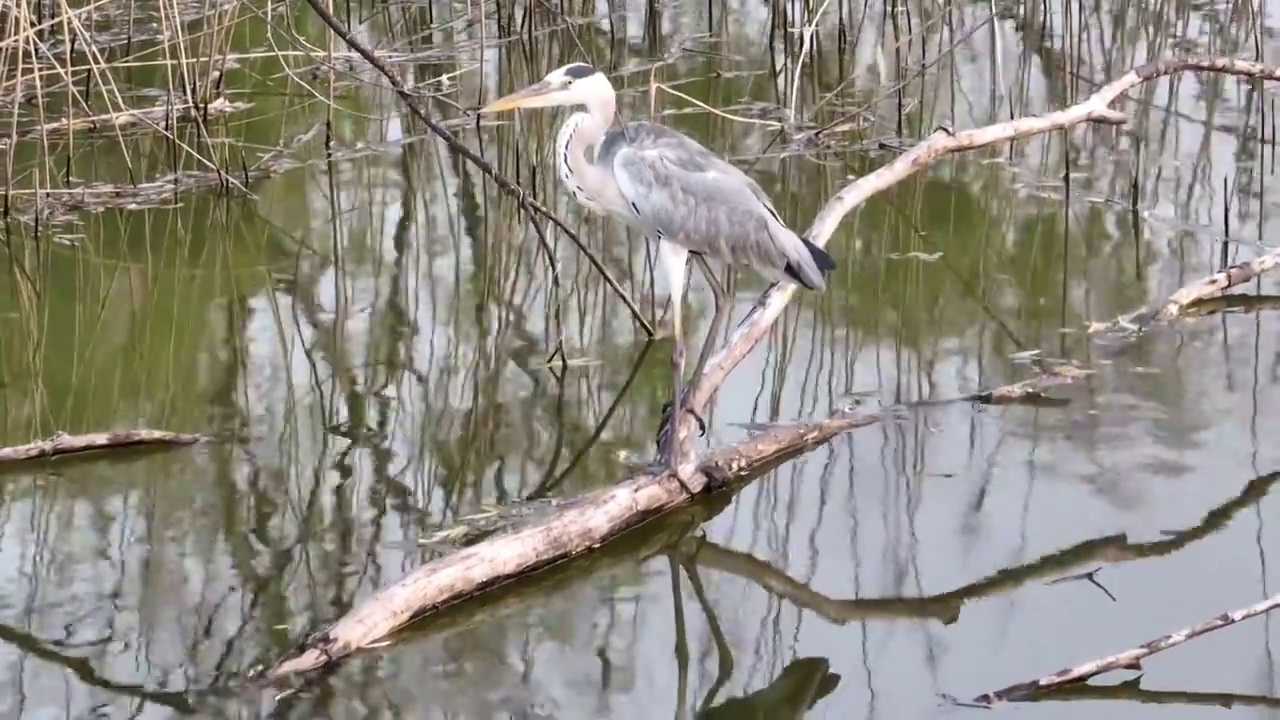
(723, 309)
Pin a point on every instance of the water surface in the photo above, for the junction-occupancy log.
(379, 349)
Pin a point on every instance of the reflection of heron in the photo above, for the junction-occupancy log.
(791, 695)
(672, 189)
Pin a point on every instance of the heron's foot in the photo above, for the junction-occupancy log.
(717, 477)
(666, 427)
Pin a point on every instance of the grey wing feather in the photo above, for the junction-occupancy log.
(680, 191)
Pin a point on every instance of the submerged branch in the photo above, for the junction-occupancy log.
(1181, 302)
(152, 117)
(1129, 659)
(64, 444)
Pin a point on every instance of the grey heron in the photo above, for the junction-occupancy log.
(675, 191)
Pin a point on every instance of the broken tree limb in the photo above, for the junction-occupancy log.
(671, 527)
(64, 444)
(1129, 658)
(1202, 289)
(580, 525)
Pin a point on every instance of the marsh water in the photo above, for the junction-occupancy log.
(375, 345)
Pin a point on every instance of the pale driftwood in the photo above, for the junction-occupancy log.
(64, 444)
(603, 515)
(1202, 289)
(1129, 658)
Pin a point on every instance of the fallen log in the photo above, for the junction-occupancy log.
(64, 444)
(580, 525)
(588, 522)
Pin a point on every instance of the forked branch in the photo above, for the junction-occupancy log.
(1095, 109)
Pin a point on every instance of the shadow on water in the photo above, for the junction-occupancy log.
(372, 334)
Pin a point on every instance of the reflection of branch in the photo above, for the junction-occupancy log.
(724, 654)
(550, 483)
(1132, 690)
(744, 565)
(83, 669)
(946, 606)
(1130, 658)
(64, 444)
(1235, 302)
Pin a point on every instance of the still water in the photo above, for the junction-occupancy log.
(378, 348)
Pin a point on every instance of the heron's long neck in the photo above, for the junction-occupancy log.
(576, 147)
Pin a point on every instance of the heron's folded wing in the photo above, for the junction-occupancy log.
(682, 192)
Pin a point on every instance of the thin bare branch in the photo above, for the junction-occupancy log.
(529, 205)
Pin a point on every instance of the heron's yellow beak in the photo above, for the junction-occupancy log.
(519, 98)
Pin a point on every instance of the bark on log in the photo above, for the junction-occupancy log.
(63, 444)
(601, 516)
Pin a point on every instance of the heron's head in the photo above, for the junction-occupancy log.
(573, 84)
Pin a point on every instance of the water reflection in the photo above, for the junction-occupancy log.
(378, 344)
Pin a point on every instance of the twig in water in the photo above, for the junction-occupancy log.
(1203, 289)
(64, 444)
(1091, 576)
(1127, 659)
(1032, 389)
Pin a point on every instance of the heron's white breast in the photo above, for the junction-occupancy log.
(573, 181)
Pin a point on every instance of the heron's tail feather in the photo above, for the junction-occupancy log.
(824, 261)
(810, 270)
